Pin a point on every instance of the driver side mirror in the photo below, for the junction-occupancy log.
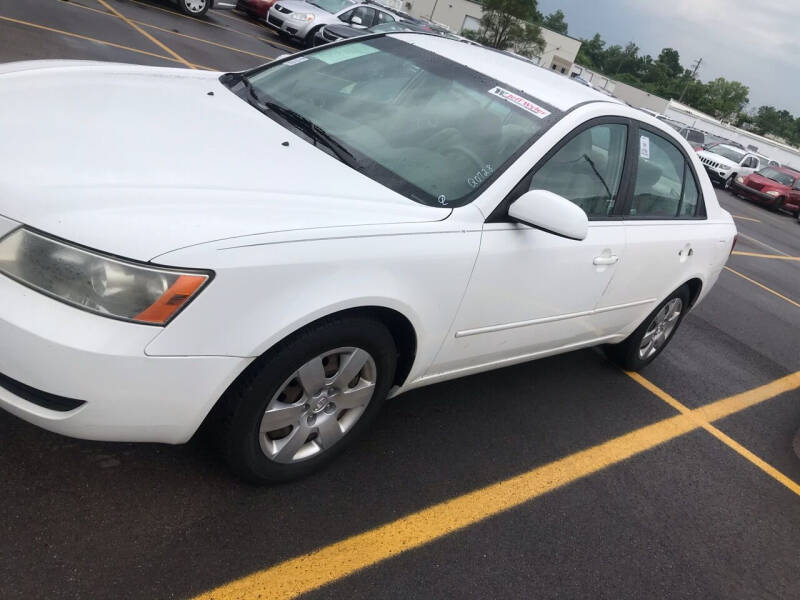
(550, 212)
(356, 20)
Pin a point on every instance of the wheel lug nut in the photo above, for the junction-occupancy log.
(311, 419)
(306, 406)
(330, 408)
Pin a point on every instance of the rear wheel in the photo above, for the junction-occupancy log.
(195, 8)
(302, 404)
(652, 336)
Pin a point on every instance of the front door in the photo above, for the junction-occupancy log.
(532, 292)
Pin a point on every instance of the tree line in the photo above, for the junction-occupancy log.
(516, 25)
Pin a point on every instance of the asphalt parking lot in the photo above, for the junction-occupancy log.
(561, 478)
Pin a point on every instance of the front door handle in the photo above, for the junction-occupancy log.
(606, 260)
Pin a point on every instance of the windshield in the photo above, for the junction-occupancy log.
(396, 26)
(332, 6)
(428, 128)
(729, 153)
(776, 175)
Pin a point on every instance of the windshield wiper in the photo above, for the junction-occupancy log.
(315, 132)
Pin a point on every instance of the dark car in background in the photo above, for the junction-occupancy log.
(776, 187)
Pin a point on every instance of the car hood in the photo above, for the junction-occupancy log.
(138, 161)
(766, 183)
(718, 159)
(345, 32)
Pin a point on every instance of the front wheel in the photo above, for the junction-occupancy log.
(196, 8)
(728, 183)
(299, 406)
(653, 335)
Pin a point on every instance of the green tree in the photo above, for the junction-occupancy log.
(725, 99)
(511, 25)
(555, 22)
(591, 52)
(670, 60)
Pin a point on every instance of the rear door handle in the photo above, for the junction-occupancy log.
(606, 260)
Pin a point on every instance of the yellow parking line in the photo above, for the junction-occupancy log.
(158, 43)
(330, 563)
(746, 218)
(759, 255)
(95, 40)
(205, 22)
(763, 287)
(697, 417)
(170, 32)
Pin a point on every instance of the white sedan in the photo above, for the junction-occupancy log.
(272, 254)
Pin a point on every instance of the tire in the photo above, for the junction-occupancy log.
(308, 41)
(779, 202)
(632, 354)
(195, 8)
(313, 433)
(728, 183)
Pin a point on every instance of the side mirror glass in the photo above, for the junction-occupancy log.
(356, 20)
(550, 212)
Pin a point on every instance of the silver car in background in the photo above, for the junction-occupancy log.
(301, 20)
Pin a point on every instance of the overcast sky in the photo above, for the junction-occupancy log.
(756, 42)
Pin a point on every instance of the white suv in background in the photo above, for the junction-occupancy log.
(724, 163)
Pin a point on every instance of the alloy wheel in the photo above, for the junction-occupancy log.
(317, 405)
(195, 6)
(660, 328)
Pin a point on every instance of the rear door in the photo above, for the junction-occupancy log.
(665, 227)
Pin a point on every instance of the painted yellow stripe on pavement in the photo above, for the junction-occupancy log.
(95, 40)
(326, 565)
(746, 218)
(776, 387)
(763, 287)
(210, 24)
(760, 255)
(158, 43)
(170, 32)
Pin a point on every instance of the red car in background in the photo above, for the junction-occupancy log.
(777, 187)
(257, 9)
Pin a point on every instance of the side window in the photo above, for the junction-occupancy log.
(385, 17)
(588, 169)
(664, 187)
(691, 196)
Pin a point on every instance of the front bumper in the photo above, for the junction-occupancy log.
(752, 194)
(716, 176)
(291, 27)
(51, 350)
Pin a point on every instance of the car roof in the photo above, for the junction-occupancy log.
(555, 89)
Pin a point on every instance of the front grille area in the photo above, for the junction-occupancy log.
(709, 163)
(275, 21)
(756, 186)
(282, 9)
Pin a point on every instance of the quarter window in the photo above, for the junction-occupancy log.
(588, 169)
(665, 186)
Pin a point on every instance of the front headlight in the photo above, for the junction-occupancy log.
(773, 193)
(101, 284)
(303, 17)
(740, 179)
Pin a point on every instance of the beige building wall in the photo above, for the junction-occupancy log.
(560, 50)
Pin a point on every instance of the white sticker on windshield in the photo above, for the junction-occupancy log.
(521, 102)
(296, 61)
(346, 52)
(644, 147)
